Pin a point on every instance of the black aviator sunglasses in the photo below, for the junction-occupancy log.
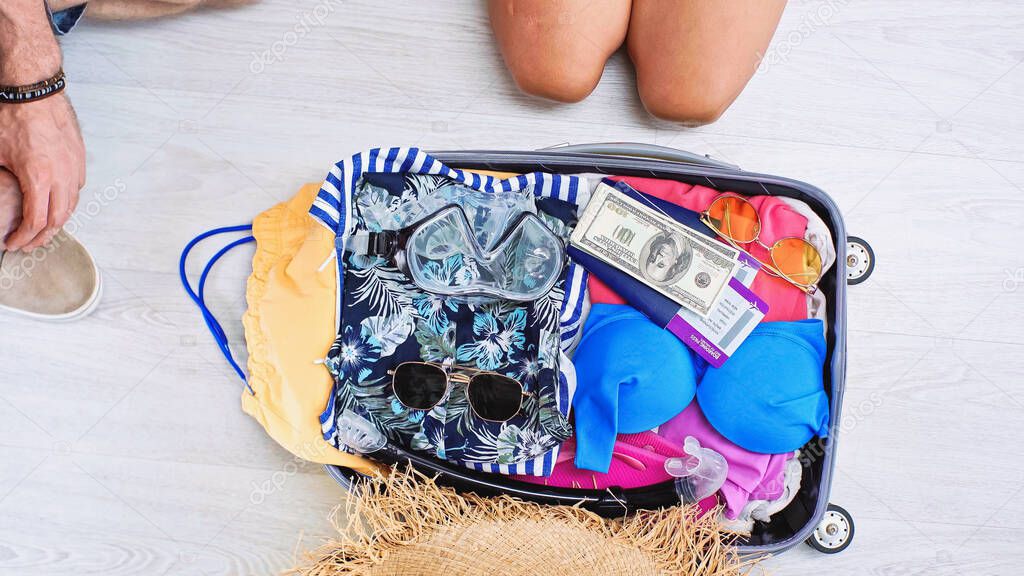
(493, 397)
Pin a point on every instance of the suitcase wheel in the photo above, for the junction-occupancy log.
(860, 260)
(834, 533)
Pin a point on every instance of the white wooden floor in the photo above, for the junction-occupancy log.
(122, 444)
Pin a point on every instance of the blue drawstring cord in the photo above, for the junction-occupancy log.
(200, 299)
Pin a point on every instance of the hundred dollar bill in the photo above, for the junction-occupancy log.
(639, 240)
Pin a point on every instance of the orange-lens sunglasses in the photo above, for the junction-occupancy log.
(793, 259)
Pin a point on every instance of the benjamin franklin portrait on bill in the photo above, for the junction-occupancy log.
(665, 258)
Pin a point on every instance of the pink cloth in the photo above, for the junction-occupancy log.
(600, 293)
(778, 220)
(751, 476)
(638, 460)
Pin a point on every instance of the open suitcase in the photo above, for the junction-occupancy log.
(810, 517)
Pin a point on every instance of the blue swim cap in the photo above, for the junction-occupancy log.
(769, 396)
(631, 375)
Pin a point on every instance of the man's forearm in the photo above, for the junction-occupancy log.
(29, 52)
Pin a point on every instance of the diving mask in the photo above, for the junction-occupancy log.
(442, 256)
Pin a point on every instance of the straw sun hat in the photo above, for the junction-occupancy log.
(406, 525)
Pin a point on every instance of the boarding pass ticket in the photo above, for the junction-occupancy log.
(736, 313)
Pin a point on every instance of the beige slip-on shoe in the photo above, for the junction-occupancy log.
(57, 282)
(149, 9)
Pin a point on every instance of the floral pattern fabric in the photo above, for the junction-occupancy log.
(386, 319)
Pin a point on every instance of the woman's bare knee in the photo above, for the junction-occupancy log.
(557, 49)
(556, 80)
(693, 57)
(693, 103)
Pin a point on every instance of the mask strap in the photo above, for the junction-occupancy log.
(385, 244)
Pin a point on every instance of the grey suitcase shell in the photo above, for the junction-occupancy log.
(811, 518)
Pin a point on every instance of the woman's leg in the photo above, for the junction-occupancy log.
(693, 57)
(557, 48)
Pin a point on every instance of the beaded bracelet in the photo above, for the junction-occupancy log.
(33, 92)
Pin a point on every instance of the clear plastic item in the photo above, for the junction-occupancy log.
(359, 434)
(488, 213)
(700, 473)
(444, 257)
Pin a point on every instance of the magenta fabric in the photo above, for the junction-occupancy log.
(638, 460)
(752, 476)
(778, 220)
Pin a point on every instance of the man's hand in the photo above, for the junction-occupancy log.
(10, 205)
(41, 144)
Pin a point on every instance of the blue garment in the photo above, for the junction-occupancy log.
(770, 397)
(632, 375)
(333, 206)
(62, 22)
(385, 319)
